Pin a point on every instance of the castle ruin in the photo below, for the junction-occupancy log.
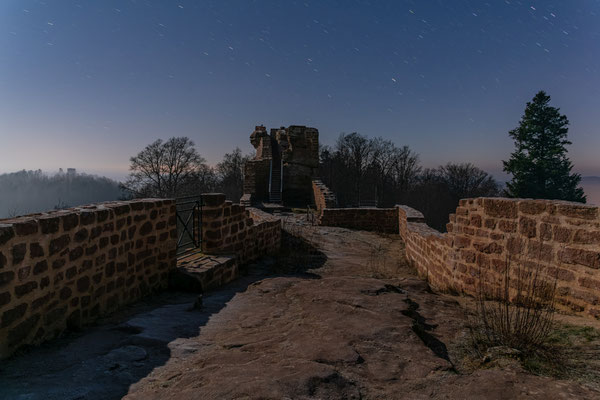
(284, 167)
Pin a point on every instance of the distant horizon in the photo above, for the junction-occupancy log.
(121, 174)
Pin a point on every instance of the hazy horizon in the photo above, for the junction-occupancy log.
(120, 174)
(590, 184)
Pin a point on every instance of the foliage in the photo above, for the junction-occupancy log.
(539, 166)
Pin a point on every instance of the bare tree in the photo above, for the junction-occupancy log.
(406, 169)
(358, 163)
(166, 169)
(231, 174)
(384, 158)
(466, 180)
(439, 190)
(356, 151)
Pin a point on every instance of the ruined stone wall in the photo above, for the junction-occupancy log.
(563, 238)
(64, 269)
(323, 197)
(232, 229)
(296, 148)
(367, 219)
(426, 248)
(256, 178)
(300, 152)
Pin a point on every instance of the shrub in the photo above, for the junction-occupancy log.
(517, 310)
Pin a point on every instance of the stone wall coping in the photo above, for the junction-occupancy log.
(259, 215)
(411, 213)
(107, 205)
(359, 208)
(213, 199)
(528, 200)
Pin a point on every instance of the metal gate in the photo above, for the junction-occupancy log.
(189, 223)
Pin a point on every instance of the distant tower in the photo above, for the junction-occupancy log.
(285, 164)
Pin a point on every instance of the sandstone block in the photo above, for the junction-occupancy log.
(6, 233)
(502, 208)
(574, 210)
(18, 253)
(12, 315)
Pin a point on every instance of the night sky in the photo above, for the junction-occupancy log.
(87, 84)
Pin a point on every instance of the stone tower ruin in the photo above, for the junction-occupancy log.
(285, 164)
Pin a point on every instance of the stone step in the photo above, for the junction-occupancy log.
(201, 273)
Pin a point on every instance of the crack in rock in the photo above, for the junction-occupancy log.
(386, 289)
(422, 328)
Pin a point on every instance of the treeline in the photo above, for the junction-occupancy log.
(175, 168)
(26, 192)
(360, 170)
(365, 171)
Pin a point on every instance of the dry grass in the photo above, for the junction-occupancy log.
(387, 259)
(512, 321)
(517, 313)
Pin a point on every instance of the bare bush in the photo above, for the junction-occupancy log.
(517, 310)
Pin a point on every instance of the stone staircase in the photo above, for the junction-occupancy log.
(275, 192)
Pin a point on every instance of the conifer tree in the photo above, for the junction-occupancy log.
(539, 166)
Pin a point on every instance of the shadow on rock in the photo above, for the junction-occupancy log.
(104, 361)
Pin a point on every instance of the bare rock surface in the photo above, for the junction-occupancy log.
(360, 325)
(351, 332)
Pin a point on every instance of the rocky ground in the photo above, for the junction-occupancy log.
(343, 317)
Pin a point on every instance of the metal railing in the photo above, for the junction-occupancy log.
(310, 216)
(189, 223)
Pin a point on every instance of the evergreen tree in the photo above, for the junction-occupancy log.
(539, 166)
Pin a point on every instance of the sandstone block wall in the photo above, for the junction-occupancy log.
(368, 219)
(229, 228)
(323, 197)
(64, 269)
(296, 149)
(563, 238)
(256, 178)
(426, 248)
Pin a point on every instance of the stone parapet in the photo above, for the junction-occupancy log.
(66, 268)
(562, 239)
(228, 228)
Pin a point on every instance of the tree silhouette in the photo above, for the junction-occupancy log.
(167, 169)
(231, 174)
(539, 166)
